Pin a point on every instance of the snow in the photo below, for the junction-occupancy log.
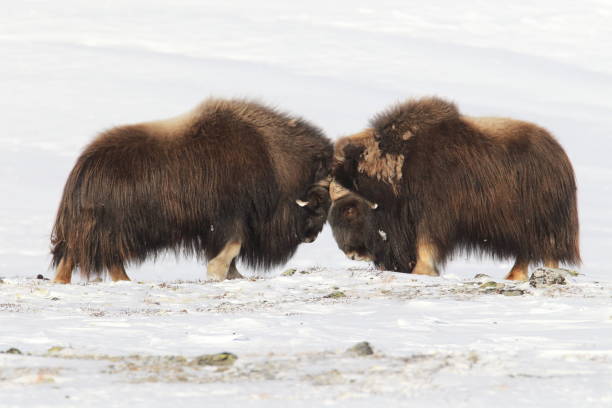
(71, 69)
(437, 341)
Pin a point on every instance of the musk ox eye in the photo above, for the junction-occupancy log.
(350, 212)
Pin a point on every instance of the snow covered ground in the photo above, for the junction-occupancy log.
(70, 69)
(437, 342)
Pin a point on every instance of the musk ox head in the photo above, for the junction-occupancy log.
(315, 207)
(351, 224)
(356, 226)
(368, 217)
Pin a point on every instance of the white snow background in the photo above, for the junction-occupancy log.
(69, 69)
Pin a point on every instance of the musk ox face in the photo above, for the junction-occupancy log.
(358, 232)
(356, 224)
(351, 221)
(315, 208)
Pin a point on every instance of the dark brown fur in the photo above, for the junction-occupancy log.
(496, 186)
(230, 169)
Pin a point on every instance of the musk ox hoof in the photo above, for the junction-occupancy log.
(549, 276)
(425, 270)
(217, 270)
(234, 274)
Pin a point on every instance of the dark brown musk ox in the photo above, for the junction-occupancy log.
(424, 182)
(232, 179)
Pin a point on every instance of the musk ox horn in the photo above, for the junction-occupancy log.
(301, 203)
(336, 192)
(325, 182)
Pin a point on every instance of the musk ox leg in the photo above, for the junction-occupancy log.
(219, 266)
(233, 272)
(117, 273)
(519, 271)
(549, 263)
(63, 273)
(426, 260)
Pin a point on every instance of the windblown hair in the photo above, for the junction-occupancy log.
(229, 168)
(486, 185)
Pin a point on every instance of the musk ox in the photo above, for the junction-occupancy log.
(231, 179)
(424, 182)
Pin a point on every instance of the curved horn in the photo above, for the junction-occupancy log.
(336, 191)
(324, 182)
(301, 203)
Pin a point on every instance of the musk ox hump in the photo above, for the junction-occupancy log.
(172, 127)
(498, 127)
(406, 120)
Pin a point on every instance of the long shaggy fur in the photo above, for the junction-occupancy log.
(486, 185)
(229, 169)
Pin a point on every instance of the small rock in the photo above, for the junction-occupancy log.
(491, 285)
(361, 349)
(219, 359)
(55, 298)
(40, 276)
(513, 292)
(289, 272)
(13, 350)
(482, 276)
(1, 281)
(55, 349)
(547, 277)
(335, 295)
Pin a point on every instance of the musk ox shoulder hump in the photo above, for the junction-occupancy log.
(253, 113)
(412, 117)
(502, 128)
(171, 127)
(259, 115)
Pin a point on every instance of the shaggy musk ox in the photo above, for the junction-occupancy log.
(425, 181)
(230, 180)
